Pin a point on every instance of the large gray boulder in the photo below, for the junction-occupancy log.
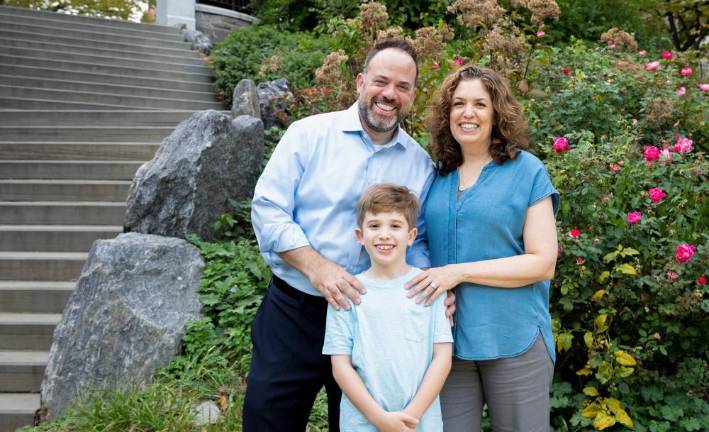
(125, 318)
(273, 100)
(245, 100)
(207, 164)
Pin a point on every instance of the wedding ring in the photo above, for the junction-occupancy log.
(434, 285)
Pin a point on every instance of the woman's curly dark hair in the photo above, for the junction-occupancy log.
(509, 130)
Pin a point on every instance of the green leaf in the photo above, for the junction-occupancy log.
(626, 269)
(610, 256)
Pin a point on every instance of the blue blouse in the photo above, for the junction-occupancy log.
(486, 221)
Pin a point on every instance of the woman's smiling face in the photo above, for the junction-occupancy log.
(472, 114)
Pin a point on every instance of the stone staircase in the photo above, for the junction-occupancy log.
(83, 103)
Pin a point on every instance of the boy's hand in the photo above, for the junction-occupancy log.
(397, 421)
(335, 283)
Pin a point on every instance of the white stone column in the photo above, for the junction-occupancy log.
(171, 12)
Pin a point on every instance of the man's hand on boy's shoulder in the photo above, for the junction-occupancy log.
(336, 285)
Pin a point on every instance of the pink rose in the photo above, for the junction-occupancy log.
(458, 61)
(656, 195)
(665, 155)
(575, 233)
(614, 167)
(634, 217)
(652, 66)
(436, 65)
(561, 144)
(685, 252)
(686, 71)
(566, 71)
(681, 91)
(702, 280)
(667, 55)
(683, 145)
(703, 87)
(672, 275)
(580, 260)
(642, 53)
(651, 153)
(540, 33)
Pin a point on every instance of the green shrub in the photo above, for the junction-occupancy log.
(264, 53)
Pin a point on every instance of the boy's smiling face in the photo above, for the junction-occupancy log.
(385, 236)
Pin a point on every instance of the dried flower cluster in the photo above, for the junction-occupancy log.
(337, 85)
(543, 10)
(374, 17)
(629, 66)
(473, 13)
(659, 111)
(430, 41)
(332, 71)
(390, 32)
(506, 46)
(272, 65)
(616, 38)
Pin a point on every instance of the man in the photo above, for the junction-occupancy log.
(303, 212)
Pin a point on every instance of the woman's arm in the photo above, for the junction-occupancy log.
(352, 385)
(433, 380)
(537, 263)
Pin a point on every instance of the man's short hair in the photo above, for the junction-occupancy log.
(397, 43)
(387, 197)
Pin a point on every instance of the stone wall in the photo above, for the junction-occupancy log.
(216, 23)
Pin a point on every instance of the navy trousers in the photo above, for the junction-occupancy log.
(287, 366)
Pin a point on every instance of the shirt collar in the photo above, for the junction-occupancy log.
(351, 123)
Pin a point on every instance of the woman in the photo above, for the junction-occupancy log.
(492, 237)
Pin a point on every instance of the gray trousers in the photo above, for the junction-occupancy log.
(515, 389)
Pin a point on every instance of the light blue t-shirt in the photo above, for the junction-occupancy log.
(390, 338)
(307, 194)
(486, 221)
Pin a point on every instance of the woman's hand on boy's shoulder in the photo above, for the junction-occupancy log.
(431, 283)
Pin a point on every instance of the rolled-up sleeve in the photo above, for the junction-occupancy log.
(274, 196)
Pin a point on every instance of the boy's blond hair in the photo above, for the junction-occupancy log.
(387, 197)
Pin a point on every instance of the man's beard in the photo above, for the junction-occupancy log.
(366, 114)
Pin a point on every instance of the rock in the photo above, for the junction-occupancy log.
(245, 101)
(199, 41)
(208, 163)
(207, 413)
(125, 318)
(273, 99)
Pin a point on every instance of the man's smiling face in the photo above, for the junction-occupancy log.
(386, 90)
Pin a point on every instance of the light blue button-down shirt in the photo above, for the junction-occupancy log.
(308, 192)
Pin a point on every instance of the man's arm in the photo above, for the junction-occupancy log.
(272, 217)
(325, 276)
(433, 380)
(352, 386)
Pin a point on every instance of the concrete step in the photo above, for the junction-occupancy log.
(22, 371)
(111, 89)
(56, 21)
(27, 331)
(77, 150)
(19, 103)
(93, 118)
(64, 190)
(20, 11)
(77, 32)
(99, 78)
(139, 102)
(59, 170)
(92, 58)
(17, 410)
(62, 212)
(89, 44)
(40, 266)
(84, 133)
(181, 57)
(135, 72)
(38, 297)
(54, 238)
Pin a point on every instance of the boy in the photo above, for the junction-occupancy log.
(390, 355)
